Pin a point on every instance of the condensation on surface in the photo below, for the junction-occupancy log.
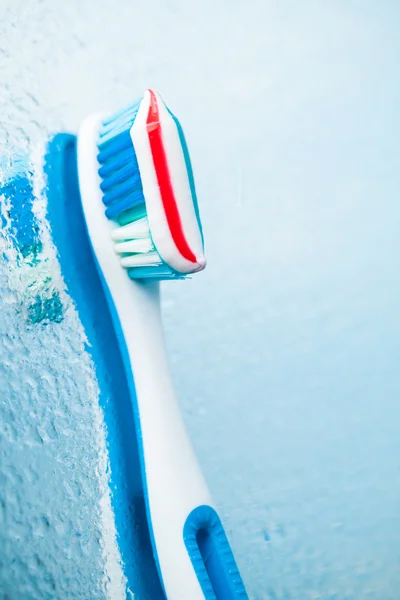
(57, 534)
(285, 350)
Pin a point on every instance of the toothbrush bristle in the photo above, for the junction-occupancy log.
(122, 170)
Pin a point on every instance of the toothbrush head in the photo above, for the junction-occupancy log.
(148, 191)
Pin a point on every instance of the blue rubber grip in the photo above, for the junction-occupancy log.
(211, 556)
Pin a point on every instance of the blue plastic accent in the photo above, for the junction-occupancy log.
(107, 347)
(85, 281)
(211, 556)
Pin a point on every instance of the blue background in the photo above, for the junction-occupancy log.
(284, 351)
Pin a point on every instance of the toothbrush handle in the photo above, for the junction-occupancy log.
(178, 502)
(193, 555)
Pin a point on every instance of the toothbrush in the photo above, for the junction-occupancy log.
(141, 213)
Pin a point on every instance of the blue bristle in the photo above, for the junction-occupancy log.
(118, 126)
(111, 151)
(162, 271)
(118, 193)
(125, 203)
(121, 183)
(123, 189)
(117, 177)
(114, 162)
(115, 116)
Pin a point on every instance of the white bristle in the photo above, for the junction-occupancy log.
(141, 260)
(141, 245)
(136, 229)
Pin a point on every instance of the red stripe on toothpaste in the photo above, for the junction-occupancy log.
(164, 180)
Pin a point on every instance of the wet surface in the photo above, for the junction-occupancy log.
(284, 350)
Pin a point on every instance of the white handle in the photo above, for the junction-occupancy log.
(174, 483)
